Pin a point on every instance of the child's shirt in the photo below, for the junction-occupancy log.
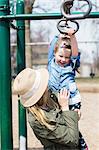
(63, 77)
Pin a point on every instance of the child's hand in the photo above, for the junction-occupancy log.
(63, 99)
(70, 31)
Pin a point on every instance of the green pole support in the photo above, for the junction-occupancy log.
(21, 66)
(6, 142)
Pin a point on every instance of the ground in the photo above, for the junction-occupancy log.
(88, 124)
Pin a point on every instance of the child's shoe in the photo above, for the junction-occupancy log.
(82, 143)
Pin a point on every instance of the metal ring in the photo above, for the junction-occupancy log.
(65, 25)
(66, 13)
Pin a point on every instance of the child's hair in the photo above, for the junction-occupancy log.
(63, 42)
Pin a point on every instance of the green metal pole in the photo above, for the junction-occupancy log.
(6, 142)
(21, 66)
(45, 16)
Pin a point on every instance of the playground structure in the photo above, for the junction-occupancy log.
(5, 67)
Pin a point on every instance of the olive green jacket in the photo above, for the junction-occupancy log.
(64, 136)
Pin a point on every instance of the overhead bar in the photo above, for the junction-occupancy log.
(44, 16)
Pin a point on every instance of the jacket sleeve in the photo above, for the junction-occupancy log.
(51, 51)
(75, 61)
(65, 131)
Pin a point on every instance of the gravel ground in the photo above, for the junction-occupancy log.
(88, 124)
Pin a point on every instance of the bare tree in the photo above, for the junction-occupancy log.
(28, 10)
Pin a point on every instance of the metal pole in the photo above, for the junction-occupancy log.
(21, 66)
(6, 142)
(45, 16)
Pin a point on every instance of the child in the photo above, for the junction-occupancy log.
(63, 62)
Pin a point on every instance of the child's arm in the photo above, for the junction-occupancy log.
(74, 46)
(75, 54)
(75, 58)
(51, 50)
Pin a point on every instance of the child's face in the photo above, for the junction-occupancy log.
(62, 56)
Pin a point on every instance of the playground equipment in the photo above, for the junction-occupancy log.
(5, 65)
(5, 75)
(68, 4)
(67, 16)
(63, 24)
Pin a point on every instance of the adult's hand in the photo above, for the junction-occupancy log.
(79, 112)
(63, 98)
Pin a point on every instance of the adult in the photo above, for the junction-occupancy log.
(50, 118)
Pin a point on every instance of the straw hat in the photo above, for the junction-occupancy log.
(30, 84)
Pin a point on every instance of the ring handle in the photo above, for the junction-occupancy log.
(62, 25)
(66, 6)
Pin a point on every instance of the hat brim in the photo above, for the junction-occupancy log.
(41, 89)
